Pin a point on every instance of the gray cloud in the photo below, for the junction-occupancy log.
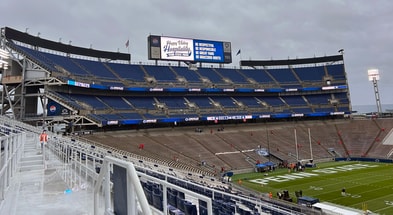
(262, 29)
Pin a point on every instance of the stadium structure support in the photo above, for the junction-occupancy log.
(24, 93)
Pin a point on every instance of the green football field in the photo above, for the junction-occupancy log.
(368, 185)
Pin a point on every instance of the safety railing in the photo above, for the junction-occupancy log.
(135, 192)
(12, 141)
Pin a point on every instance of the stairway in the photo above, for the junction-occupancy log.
(32, 158)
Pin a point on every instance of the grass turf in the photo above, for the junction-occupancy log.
(368, 185)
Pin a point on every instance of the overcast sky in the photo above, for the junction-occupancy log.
(261, 29)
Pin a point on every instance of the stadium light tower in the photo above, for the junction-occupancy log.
(373, 75)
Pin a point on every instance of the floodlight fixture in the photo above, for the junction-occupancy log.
(3, 57)
(373, 76)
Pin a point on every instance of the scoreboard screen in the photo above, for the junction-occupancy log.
(191, 50)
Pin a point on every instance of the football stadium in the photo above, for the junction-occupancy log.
(186, 133)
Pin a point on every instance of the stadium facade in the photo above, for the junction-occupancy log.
(83, 87)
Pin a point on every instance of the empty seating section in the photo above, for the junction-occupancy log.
(128, 71)
(68, 64)
(111, 84)
(258, 75)
(283, 76)
(142, 102)
(116, 102)
(161, 73)
(40, 58)
(337, 71)
(200, 101)
(301, 110)
(319, 99)
(224, 101)
(130, 115)
(342, 97)
(233, 75)
(154, 116)
(343, 109)
(310, 73)
(207, 101)
(248, 101)
(190, 75)
(172, 102)
(211, 75)
(92, 101)
(109, 117)
(96, 68)
(271, 101)
(275, 77)
(294, 100)
(328, 110)
(183, 115)
(213, 113)
(179, 204)
(70, 101)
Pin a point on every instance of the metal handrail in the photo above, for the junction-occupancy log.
(132, 179)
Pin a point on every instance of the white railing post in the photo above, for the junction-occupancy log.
(133, 194)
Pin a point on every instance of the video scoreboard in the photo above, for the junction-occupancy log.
(189, 50)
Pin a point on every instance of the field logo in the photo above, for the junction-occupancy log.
(315, 172)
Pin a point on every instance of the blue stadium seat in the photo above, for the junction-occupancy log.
(283, 76)
(68, 64)
(157, 197)
(224, 101)
(336, 71)
(294, 100)
(189, 208)
(96, 68)
(200, 101)
(310, 74)
(93, 101)
(115, 102)
(161, 73)
(248, 101)
(233, 75)
(36, 56)
(128, 71)
(271, 100)
(211, 75)
(173, 101)
(190, 75)
(319, 99)
(142, 102)
(258, 75)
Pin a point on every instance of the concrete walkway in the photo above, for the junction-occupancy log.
(46, 186)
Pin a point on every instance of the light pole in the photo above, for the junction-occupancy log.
(373, 75)
(268, 141)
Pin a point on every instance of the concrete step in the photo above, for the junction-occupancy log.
(31, 167)
(32, 158)
(32, 163)
(31, 145)
(31, 153)
(28, 149)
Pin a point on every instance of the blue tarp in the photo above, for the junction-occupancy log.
(269, 163)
